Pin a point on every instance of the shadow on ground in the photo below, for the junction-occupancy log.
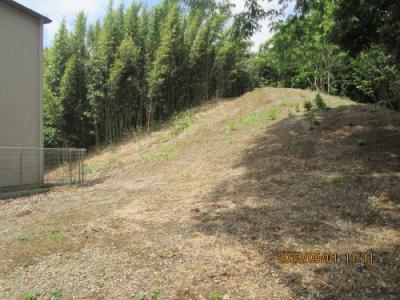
(332, 186)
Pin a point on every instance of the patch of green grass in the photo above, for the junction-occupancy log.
(336, 181)
(233, 125)
(229, 140)
(307, 105)
(56, 293)
(162, 138)
(155, 294)
(336, 102)
(214, 295)
(31, 296)
(164, 153)
(254, 118)
(99, 284)
(95, 228)
(320, 104)
(140, 297)
(24, 263)
(271, 113)
(54, 236)
(114, 163)
(88, 169)
(288, 103)
(147, 157)
(183, 121)
(22, 238)
(251, 119)
(163, 253)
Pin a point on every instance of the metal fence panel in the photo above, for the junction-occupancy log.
(40, 166)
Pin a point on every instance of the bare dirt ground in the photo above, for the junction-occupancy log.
(205, 214)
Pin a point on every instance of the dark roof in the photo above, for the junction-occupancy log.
(26, 10)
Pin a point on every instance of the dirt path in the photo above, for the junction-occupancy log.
(204, 214)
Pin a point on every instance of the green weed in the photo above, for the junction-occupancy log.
(320, 103)
(31, 296)
(163, 253)
(214, 295)
(99, 284)
(22, 238)
(155, 294)
(183, 121)
(56, 293)
(54, 236)
(336, 181)
(271, 113)
(307, 105)
(140, 297)
(229, 140)
(288, 103)
(88, 169)
(253, 118)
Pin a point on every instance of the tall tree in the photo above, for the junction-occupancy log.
(73, 89)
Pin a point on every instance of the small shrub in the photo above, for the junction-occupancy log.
(155, 294)
(22, 238)
(183, 121)
(99, 284)
(251, 119)
(288, 103)
(297, 108)
(87, 169)
(31, 296)
(271, 114)
(336, 181)
(215, 295)
(56, 293)
(163, 253)
(54, 236)
(320, 103)
(233, 125)
(230, 140)
(140, 297)
(307, 105)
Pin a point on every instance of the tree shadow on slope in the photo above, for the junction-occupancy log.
(327, 187)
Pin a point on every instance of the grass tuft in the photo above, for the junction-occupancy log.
(54, 236)
(56, 293)
(31, 296)
(183, 121)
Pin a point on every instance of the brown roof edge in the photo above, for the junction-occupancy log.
(26, 10)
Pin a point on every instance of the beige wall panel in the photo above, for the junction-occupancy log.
(20, 91)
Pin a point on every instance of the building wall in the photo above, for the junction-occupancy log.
(20, 96)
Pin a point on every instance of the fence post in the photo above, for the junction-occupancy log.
(20, 166)
(70, 166)
(83, 165)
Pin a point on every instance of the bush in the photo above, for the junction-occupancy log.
(320, 103)
(307, 105)
(183, 121)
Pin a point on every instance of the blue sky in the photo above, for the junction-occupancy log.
(56, 10)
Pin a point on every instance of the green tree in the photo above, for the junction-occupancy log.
(73, 90)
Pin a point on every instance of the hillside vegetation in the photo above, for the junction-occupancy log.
(201, 208)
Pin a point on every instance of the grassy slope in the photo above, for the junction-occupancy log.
(204, 212)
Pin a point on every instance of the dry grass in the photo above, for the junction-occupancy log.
(203, 214)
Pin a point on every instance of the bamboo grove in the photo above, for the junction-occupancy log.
(137, 67)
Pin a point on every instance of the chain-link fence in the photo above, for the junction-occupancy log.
(40, 166)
